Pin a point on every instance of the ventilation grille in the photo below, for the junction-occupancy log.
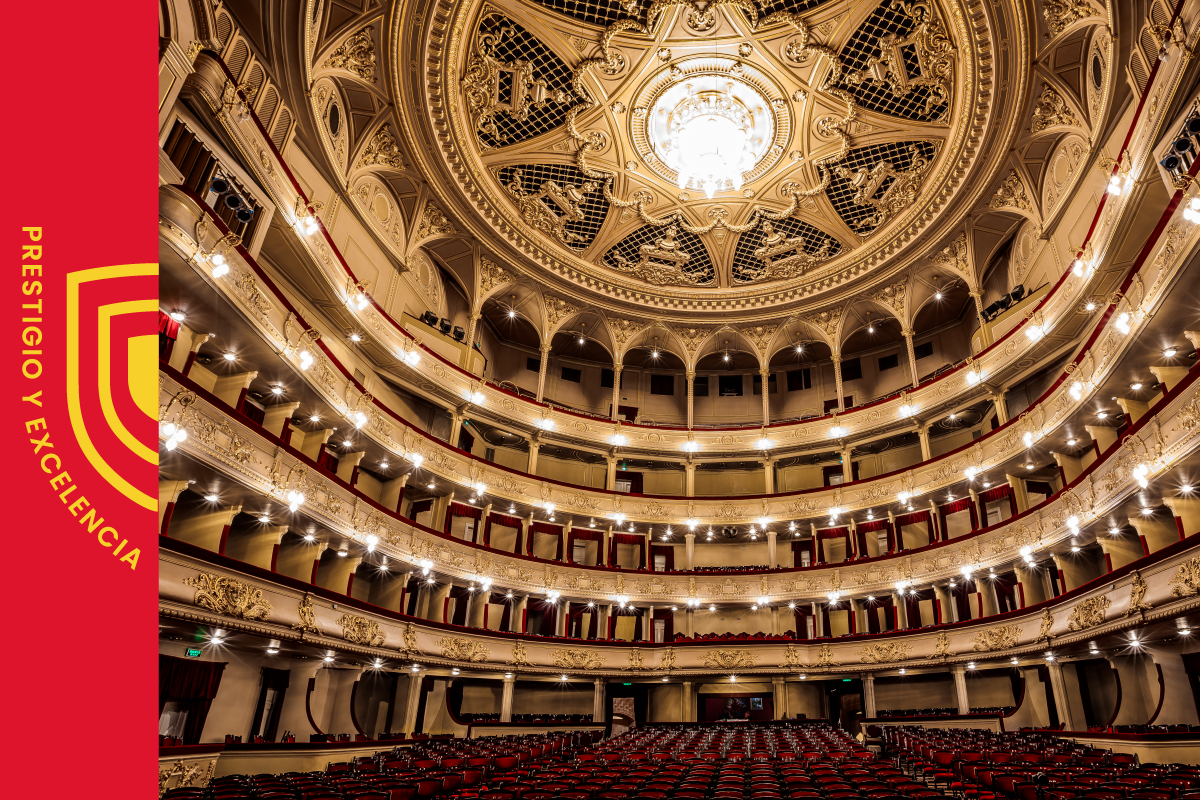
(887, 19)
(516, 45)
(224, 29)
(748, 268)
(699, 267)
(279, 135)
(795, 6)
(237, 58)
(594, 12)
(841, 192)
(593, 205)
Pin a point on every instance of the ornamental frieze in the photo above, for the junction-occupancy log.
(229, 596)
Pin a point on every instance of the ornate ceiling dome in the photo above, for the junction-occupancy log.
(728, 157)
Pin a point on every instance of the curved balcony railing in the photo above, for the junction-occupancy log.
(454, 383)
(202, 587)
(1152, 445)
(251, 291)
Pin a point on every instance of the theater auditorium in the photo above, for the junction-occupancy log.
(679, 399)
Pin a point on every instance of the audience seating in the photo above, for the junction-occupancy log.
(757, 761)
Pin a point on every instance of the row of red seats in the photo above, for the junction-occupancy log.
(984, 765)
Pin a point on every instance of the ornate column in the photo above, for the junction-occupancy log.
(1001, 405)
(506, 699)
(599, 710)
(1062, 702)
(535, 445)
(542, 371)
(817, 620)
(765, 373)
(923, 435)
(472, 328)
(768, 474)
(847, 466)
(689, 540)
(616, 396)
(779, 691)
(689, 477)
(868, 695)
(772, 552)
(837, 379)
(610, 480)
(410, 707)
(689, 702)
(985, 335)
(690, 375)
(901, 611)
(960, 688)
(912, 355)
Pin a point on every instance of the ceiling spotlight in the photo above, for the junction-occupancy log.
(314, 418)
(354, 337)
(1101, 414)
(1169, 352)
(1091, 306)
(582, 340)
(328, 659)
(212, 498)
(1135, 385)
(264, 519)
(454, 671)
(1014, 662)
(1071, 442)
(512, 313)
(231, 356)
(178, 316)
(272, 650)
(308, 537)
(903, 670)
(799, 348)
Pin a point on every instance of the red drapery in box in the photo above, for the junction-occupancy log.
(547, 528)
(167, 327)
(576, 613)
(497, 599)
(912, 519)
(830, 533)
(625, 612)
(507, 522)
(627, 538)
(668, 618)
(419, 507)
(666, 550)
(586, 535)
(957, 506)
(999, 493)
(193, 684)
(862, 530)
(798, 549)
(460, 510)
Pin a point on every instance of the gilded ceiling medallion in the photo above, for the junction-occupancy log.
(674, 153)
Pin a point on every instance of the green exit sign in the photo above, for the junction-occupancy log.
(193, 652)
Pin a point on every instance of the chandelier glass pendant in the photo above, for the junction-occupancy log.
(712, 134)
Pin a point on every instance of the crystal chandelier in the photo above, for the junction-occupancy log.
(710, 140)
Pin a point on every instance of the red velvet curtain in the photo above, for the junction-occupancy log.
(460, 510)
(167, 327)
(586, 535)
(871, 527)
(963, 504)
(546, 528)
(831, 533)
(507, 522)
(798, 549)
(419, 507)
(193, 683)
(666, 550)
(627, 538)
(991, 495)
(669, 626)
(912, 519)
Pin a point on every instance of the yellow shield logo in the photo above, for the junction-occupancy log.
(112, 387)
